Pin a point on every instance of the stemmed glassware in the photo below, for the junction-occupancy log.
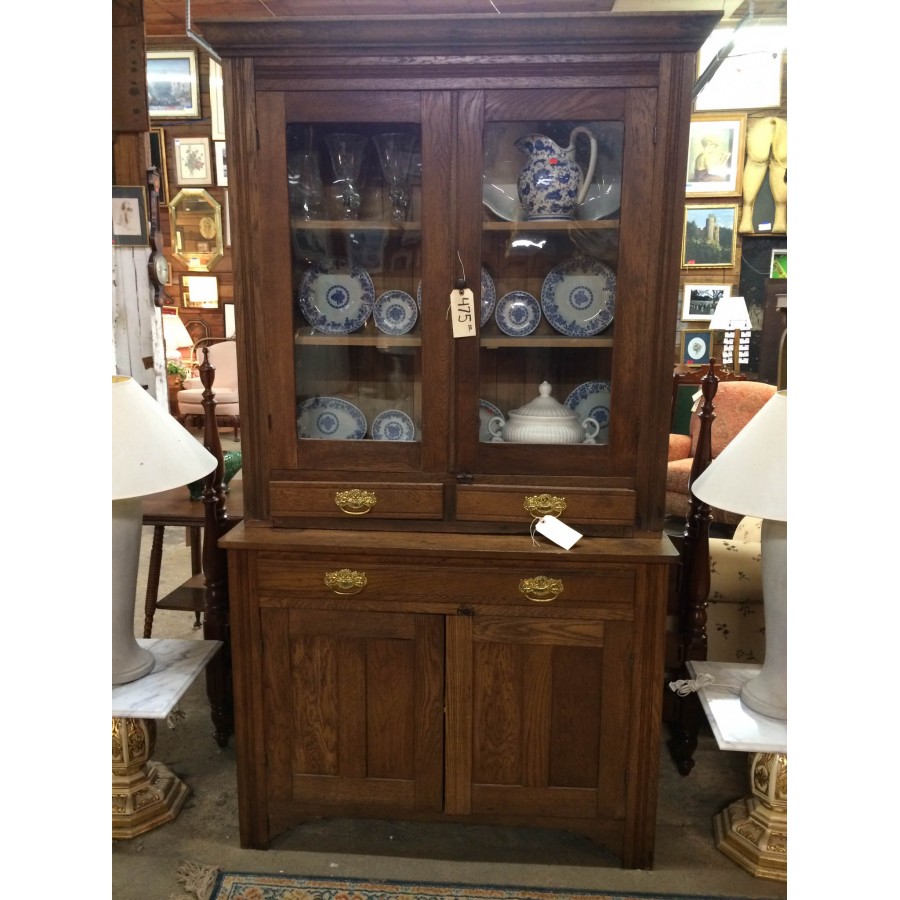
(305, 188)
(395, 151)
(346, 158)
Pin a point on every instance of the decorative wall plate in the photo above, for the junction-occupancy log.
(330, 418)
(579, 297)
(395, 312)
(592, 399)
(486, 412)
(336, 297)
(517, 313)
(393, 425)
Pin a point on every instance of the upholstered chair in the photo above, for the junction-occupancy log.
(223, 358)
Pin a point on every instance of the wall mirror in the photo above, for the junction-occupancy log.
(196, 228)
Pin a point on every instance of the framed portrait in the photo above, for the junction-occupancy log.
(221, 164)
(130, 224)
(193, 164)
(216, 102)
(696, 346)
(158, 159)
(778, 265)
(700, 300)
(749, 78)
(173, 85)
(200, 291)
(716, 156)
(710, 236)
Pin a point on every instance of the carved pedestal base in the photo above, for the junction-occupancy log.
(145, 794)
(753, 831)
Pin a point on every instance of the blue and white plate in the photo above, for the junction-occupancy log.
(486, 412)
(592, 399)
(393, 425)
(517, 313)
(395, 312)
(579, 297)
(336, 297)
(488, 296)
(330, 418)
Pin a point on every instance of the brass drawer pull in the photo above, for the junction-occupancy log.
(545, 505)
(355, 502)
(346, 581)
(541, 589)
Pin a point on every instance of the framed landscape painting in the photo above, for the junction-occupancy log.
(710, 236)
(700, 300)
(173, 85)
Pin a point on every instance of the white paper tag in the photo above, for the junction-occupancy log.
(462, 310)
(558, 532)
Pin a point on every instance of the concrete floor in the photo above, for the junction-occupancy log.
(206, 830)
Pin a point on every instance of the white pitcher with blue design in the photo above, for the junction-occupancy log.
(552, 185)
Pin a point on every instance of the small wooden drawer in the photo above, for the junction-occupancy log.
(577, 506)
(281, 577)
(356, 500)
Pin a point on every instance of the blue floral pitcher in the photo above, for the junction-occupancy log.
(551, 185)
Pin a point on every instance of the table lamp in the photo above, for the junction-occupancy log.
(151, 452)
(750, 477)
(731, 315)
(175, 336)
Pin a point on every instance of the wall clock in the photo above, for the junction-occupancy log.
(157, 264)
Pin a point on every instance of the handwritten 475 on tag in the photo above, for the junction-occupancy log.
(462, 310)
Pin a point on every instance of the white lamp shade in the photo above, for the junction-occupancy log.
(730, 314)
(175, 334)
(750, 475)
(151, 451)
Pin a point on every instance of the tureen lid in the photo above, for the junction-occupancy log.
(544, 406)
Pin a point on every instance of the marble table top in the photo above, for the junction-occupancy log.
(178, 663)
(734, 725)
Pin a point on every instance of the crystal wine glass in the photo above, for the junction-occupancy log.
(346, 157)
(395, 151)
(305, 183)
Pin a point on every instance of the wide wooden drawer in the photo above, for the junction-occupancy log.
(577, 506)
(281, 578)
(356, 499)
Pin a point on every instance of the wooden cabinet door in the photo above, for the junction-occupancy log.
(354, 709)
(537, 716)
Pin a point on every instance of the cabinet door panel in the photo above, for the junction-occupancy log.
(365, 701)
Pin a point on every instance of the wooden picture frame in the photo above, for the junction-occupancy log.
(699, 301)
(130, 223)
(216, 102)
(173, 84)
(778, 267)
(193, 162)
(716, 147)
(749, 78)
(221, 164)
(158, 159)
(696, 346)
(709, 239)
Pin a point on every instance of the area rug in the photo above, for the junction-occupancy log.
(208, 883)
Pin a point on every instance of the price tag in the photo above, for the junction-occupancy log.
(558, 532)
(462, 311)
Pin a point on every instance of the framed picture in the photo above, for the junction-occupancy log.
(193, 164)
(216, 101)
(221, 164)
(710, 236)
(130, 224)
(778, 266)
(229, 319)
(227, 215)
(173, 86)
(748, 79)
(696, 346)
(200, 291)
(158, 159)
(716, 156)
(700, 301)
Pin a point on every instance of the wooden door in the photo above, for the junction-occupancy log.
(537, 716)
(354, 709)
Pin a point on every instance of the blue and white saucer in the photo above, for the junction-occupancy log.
(395, 312)
(592, 399)
(336, 296)
(330, 418)
(517, 313)
(393, 425)
(579, 297)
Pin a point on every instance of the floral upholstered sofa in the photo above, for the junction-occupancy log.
(735, 622)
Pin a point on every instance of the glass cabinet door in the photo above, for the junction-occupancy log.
(354, 194)
(550, 253)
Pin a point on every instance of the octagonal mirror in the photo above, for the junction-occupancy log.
(195, 220)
